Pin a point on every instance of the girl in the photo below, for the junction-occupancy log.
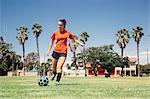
(60, 50)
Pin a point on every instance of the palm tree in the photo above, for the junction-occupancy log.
(49, 63)
(17, 62)
(37, 29)
(6, 57)
(83, 38)
(122, 40)
(12, 56)
(137, 35)
(22, 37)
(73, 47)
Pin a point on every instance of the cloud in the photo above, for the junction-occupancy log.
(145, 53)
(142, 55)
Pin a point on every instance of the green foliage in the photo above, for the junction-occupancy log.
(84, 37)
(32, 60)
(22, 34)
(137, 34)
(123, 38)
(146, 69)
(37, 29)
(104, 55)
(126, 61)
(8, 59)
(45, 67)
(3, 66)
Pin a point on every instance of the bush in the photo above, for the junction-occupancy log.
(107, 74)
(3, 73)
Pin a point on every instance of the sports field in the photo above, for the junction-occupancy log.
(76, 88)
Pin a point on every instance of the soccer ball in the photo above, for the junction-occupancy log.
(43, 81)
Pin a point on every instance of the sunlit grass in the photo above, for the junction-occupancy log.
(76, 88)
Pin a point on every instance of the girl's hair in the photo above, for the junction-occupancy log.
(63, 21)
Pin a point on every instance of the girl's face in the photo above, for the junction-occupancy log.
(61, 26)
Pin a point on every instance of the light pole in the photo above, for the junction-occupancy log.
(147, 55)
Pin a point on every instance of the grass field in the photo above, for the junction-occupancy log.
(76, 88)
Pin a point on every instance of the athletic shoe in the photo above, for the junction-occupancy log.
(57, 83)
(52, 77)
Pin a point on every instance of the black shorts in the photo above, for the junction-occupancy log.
(56, 55)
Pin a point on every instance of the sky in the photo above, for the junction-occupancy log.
(101, 19)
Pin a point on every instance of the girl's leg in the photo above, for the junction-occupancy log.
(54, 65)
(60, 64)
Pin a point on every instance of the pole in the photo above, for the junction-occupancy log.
(147, 57)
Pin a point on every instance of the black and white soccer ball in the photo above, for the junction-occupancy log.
(43, 81)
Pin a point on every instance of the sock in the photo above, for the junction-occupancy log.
(58, 77)
(54, 72)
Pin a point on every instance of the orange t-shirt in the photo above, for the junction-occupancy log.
(61, 40)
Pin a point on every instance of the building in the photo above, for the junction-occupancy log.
(100, 70)
(127, 71)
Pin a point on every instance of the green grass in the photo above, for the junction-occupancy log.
(76, 88)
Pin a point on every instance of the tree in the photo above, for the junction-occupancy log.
(4, 58)
(122, 40)
(83, 38)
(37, 29)
(73, 47)
(32, 60)
(137, 35)
(146, 69)
(44, 69)
(126, 61)
(22, 37)
(108, 58)
(49, 64)
(103, 56)
(17, 63)
(9, 60)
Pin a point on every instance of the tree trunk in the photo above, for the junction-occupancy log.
(23, 59)
(122, 59)
(95, 70)
(122, 53)
(37, 44)
(17, 69)
(75, 62)
(138, 59)
(74, 56)
(13, 71)
(84, 60)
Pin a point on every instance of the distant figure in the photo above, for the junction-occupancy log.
(60, 50)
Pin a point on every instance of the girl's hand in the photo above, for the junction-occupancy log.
(82, 45)
(47, 53)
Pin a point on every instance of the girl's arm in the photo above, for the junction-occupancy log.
(50, 47)
(51, 44)
(79, 42)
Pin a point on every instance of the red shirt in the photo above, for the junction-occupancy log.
(61, 40)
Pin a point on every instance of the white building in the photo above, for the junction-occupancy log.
(128, 71)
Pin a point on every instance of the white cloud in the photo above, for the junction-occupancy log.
(145, 53)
